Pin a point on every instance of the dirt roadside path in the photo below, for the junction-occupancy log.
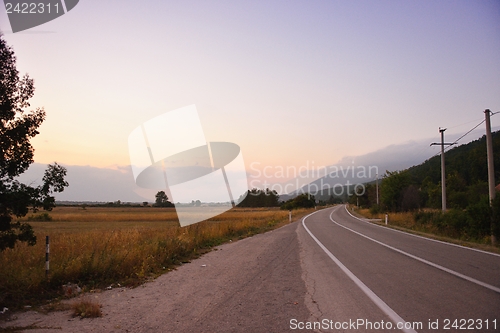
(252, 285)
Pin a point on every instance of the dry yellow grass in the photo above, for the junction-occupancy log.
(86, 309)
(404, 220)
(401, 219)
(96, 246)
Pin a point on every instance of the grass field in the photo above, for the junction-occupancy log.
(99, 246)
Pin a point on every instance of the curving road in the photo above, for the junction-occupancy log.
(383, 279)
(328, 272)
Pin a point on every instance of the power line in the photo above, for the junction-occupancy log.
(466, 123)
(456, 141)
(473, 128)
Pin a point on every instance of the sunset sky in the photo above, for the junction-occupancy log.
(288, 81)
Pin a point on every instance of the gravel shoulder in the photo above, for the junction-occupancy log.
(252, 285)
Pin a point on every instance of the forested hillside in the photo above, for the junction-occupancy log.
(466, 165)
(419, 187)
(466, 178)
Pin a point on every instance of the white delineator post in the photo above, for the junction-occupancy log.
(47, 251)
(386, 218)
(289, 216)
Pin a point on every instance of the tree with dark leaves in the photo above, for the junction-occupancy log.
(162, 200)
(17, 127)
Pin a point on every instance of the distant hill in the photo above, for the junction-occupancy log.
(466, 165)
(469, 213)
(468, 160)
(420, 186)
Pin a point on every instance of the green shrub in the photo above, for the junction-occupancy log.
(375, 209)
(422, 217)
(473, 223)
(42, 217)
(304, 200)
(479, 218)
(455, 221)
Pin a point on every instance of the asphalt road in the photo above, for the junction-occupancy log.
(328, 272)
(366, 272)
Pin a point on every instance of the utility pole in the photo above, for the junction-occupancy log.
(377, 189)
(491, 169)
(443, 174)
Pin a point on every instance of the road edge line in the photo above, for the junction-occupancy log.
(396, 319)
(427, 262)
(429, 239)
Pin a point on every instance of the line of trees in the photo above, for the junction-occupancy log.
(304, 200)
(260, 198)
(254, 198)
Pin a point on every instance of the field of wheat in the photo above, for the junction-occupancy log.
(100, 246)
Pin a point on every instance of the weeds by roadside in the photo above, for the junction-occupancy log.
(433, 224)
(86, 309)
(95, 250)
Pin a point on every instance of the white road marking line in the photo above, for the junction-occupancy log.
(447, 270)
(429, 239)
(377, 300)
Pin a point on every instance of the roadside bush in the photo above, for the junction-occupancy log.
(302, 201)
(375, 209)
(423, 217)
(479, 218)
(496, 216)
(471, 223)
(454, 222)
(42, 217)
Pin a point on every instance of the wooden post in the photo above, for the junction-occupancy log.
(491, 170)
(47, 251)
